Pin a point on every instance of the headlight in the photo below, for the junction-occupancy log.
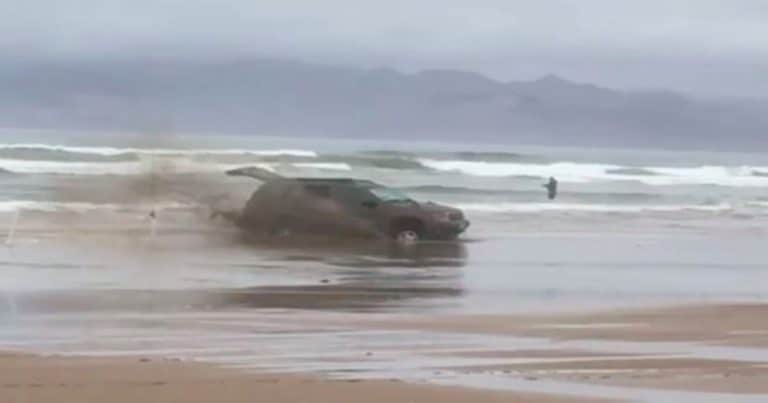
(442, 216)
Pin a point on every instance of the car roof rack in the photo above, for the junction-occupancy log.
(265, 175)
(335, 181)
(254, 172)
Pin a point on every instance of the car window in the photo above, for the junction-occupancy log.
(389, 195)
(318, 190)
(351, 196)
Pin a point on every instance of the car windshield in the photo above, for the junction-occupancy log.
(387, 195)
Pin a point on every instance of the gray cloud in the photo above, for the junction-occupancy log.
(701, 46)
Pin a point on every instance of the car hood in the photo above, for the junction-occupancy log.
(431, 207)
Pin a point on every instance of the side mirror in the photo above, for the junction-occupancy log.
(370, 204)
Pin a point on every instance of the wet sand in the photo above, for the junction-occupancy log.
(742, 324)
(676, 354)
(703, 348)
(480, 320)
(29, 379)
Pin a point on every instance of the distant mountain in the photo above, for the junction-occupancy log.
(268, 96)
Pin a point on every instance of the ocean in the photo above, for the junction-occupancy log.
(629, 226)
(85, 272)
(481, 179)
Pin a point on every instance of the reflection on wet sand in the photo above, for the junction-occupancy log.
(360, 346)
(358, 276)
(200, 292)
(343, 297)
(427, 253)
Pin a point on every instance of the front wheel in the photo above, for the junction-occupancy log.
(407, 236)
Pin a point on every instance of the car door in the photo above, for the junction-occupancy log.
(360, 214)
(318, 210)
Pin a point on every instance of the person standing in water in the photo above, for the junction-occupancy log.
(153, 224)
(551, 187)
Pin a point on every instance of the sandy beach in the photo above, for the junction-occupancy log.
(167, 321)
(29, 379)
(704, 348)
(690, 353)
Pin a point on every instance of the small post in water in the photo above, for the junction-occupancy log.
(12, 308)
(9, 297)
(12, 229)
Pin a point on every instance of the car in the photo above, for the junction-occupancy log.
(343, 206)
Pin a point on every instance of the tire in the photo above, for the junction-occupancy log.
(407, 236)
(407, 232)
(282, 228)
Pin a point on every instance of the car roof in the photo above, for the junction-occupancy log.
(335, 181)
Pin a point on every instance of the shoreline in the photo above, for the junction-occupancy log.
(684, 353)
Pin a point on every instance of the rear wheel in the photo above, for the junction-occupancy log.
(283, 227)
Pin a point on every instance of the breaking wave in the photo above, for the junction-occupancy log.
(72, 160)
(372, 161)
(588, 208)
(564, 171)
(461, 155)
(463, 193)
(490, 156)
(328, 166)
(70, 153)
(106, 168)
(49, 159)
(757, 203)
(631, 172)
(571, 172)
(166, 166)
(79, 207)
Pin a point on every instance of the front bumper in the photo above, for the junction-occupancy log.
(448, 229)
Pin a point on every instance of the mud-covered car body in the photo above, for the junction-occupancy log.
(346, 207)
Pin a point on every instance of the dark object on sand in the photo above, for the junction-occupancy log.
(341, 206)
(551, 187)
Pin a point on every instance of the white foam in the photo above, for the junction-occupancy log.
(153, 164)
(113, 151)
(329, 166)
(736, 176)
(74, 168)
(149, 165)
(593, 208)
(80, 207)
(564, 171)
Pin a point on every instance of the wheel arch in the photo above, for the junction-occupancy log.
(400, 223)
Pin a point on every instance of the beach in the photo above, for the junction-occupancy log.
(692, 353)
(30, 379)
(645, 282)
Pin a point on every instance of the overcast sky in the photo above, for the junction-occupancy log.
(706, 47)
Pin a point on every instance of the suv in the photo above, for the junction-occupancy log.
(283, 206)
